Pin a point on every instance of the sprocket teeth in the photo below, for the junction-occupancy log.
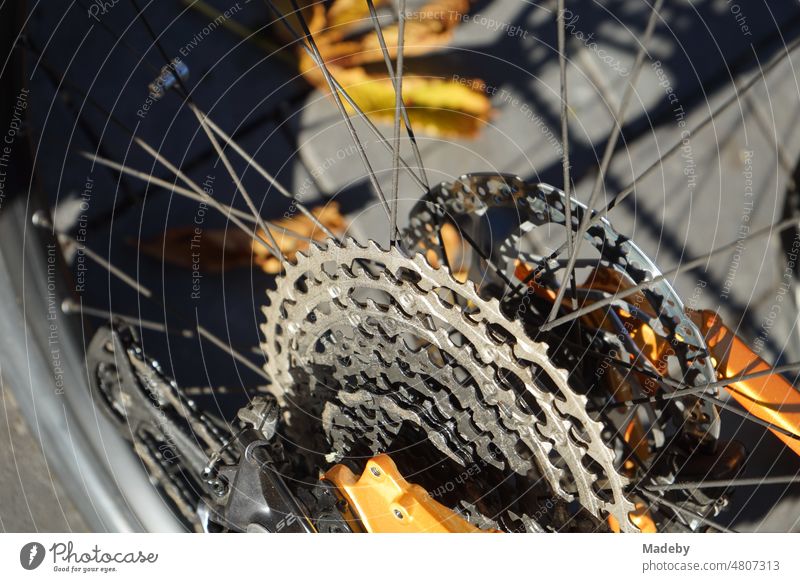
(490, 354)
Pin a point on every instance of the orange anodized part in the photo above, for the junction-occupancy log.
(771, 397)
(384, 502)
(640, 517)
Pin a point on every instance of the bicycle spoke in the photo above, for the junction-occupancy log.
(738, 482)
(658, 500)
(209, 123)
(398, 105)
(738, 92)
(423, 182)
(226, 347)
(630, 454)
(565, 166)
(743, 377)
(340, 90)
(230, 142)
(204, 195)
(749, 417)
(308, 40)
(681, 390)
(39, 219)
(628, 366)
(619, 119)
(390, 68)
(71, 307)
(274, 248)
(238, 182)
(185, 192)
(701, 392)
(690, 264)
(482, 254)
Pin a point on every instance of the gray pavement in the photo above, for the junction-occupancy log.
(30, 499)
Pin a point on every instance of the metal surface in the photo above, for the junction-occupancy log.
(170, 435)
(539, 426)
(258, 495)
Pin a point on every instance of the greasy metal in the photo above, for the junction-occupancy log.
(771, 398)
(165, 427)
(318, 295)
(384, 502)
(538, 205)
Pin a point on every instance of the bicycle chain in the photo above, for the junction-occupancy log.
(146, 401)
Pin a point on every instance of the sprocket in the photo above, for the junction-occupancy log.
(382, 339)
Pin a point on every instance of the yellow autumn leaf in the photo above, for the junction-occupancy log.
(218, 250)
(343, 15)
(436, 106)
(439, 107)
(329, 215)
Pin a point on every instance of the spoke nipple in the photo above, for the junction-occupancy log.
(41, 219)
(171, 76)
(68, 306)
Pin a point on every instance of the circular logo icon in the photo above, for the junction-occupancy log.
(31, 555)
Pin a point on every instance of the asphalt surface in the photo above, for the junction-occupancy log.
(31, 499)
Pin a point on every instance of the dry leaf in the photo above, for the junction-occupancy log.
(349, 13)
(215, 250)
(212, 250)
(435, 106)
(329, 215)
(456, 249)
(441, 107)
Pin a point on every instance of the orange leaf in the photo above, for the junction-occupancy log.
(216, 250)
